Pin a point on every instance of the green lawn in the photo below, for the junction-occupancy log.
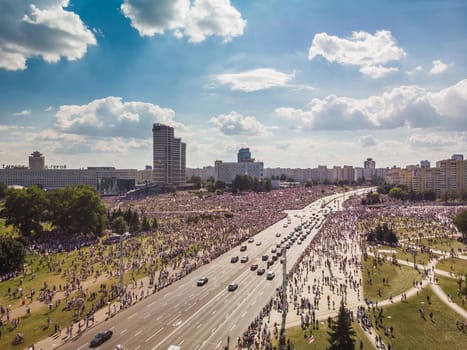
(300, 341)
(444, 244)
(412, 332)
(455, 265)
(451, 286)
(400, 279)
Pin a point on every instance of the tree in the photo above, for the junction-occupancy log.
(3, 189)
(24, 209)
(460, 220)
(341, 335)
(119, 225)
(88, 212)
(12, 255)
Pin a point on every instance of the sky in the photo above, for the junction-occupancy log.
(301, 83)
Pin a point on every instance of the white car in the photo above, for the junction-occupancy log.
(258, 242)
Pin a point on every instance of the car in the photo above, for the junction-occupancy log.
(270, 262)
(234, 259)
(253, 267)
(273, 250)
(274, 257)
(260, 271)
(265, 257)
(101, 337)
(202, 281)
(279, 253)
(258, 243)
(251, 240)
(244, 259)
(270, 275)
(232, 287)
(242, 248)
(278, 234)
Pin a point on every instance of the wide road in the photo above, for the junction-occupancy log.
(198, 318)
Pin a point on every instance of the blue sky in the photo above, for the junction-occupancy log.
(302, 83)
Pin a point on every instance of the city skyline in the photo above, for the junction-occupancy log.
(300, 83)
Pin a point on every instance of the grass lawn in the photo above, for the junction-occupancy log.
(400, 279)
(300, 342)
(444, 244)
(411, 331)
(451, 286)
(455, 265)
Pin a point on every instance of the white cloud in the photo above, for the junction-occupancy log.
(404, 106)
(254, 80)
(430, 140)
(438, 67)
(111, 117)
(416, 70)
(196, 20)
(23, 113)
(362, 49)
(40, 28)
(367, 141)
(48, 109)
(237, 124)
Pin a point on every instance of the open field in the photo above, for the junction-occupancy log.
(301, 342)
(451, 287)
(454, 265)
(398, 279)
(411, 331)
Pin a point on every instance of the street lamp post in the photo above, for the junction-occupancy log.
(122, 269)
(284, 299)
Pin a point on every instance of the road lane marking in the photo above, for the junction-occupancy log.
(178, 323)
(199, 325)
(181, 342)
(82, 346)
(242, 314)
(218, 346)
(214, 312)
(124, 331)
(189, 307)
(213, 330)
(138, 347)
(152, 336)
(152, 303)
(133, 315)
(146, 316)
(138, 333)
(233, 326)
(198, 346)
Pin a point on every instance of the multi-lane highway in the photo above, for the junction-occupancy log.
(193, 317)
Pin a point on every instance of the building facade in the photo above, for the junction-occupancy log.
(36, 161)
(169, 156)
(227, 172)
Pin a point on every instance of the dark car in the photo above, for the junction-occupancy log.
(265, 257)
(232, 287)
(243, 248)
(260, 271)
(253, 267)
(234, 259)
(101, 337)
(202, 281)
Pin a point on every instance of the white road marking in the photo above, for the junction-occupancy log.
(189, 307)
(214, 312)
(181, 342)
(152, 303)
(242, 314)
(233, 326)
(138, 347)
(124, 331)
(159, 317)
(133, 315)
(82, 346)
(213, 330)
(197, 327)
(219, 344)
(198, 346)
(178, 323)
(146, 316)
(138, 333)
(152, 336)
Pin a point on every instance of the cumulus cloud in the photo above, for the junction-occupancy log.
(254, 80)
(112, 117)
(438, 67)
(416, 70)
(367, 141)
(62, 143)
(23, 113)
(362, 49)
(196, 19)
(430, 140)
(237, 124)
(40, 28)
(404, 106)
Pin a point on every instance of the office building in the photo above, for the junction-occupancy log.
(169, 156)
(244, 156)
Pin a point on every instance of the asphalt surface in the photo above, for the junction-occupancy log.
(196, 318)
